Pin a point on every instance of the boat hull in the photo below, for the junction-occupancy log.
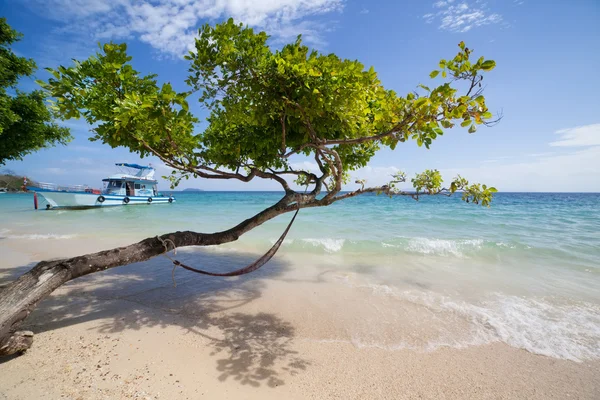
(88, 200)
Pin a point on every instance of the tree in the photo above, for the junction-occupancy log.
(25, 122)
(264, 107)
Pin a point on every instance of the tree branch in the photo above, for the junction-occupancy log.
(19, 298)
(397, 128)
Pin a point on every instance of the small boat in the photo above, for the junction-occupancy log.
(133, 186)
(3, 190)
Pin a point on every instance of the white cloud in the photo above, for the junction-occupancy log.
(544, 154)
(587, 135)
(374, 176)
(79, 161)
(87, 149)
(55, 171)
(461, 16)
(305, 166)
(574, 172)
(171, 25)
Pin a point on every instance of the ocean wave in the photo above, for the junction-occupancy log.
(37, 236)
(443, 247)
(329, 245)
(551, 327)
(568, 331)
(417, 245)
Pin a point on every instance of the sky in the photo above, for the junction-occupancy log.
(546, 83)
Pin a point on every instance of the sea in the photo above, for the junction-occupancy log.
(426, 274)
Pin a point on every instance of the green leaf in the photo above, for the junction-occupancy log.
(465, 123)
(421, 101)
(488, 65)
(251, 93)
(472, 129)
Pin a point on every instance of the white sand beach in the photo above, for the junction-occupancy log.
(279, 333)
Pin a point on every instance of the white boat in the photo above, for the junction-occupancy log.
(134, 186)
(3, 190)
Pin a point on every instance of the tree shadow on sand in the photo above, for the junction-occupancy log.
(7, 275)
(252, 347)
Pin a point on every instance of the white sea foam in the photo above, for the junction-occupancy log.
(328, 244)
(447, 247)
(443, 247)
(551, 327)
(286, 241)
(460, 248)
(38, 236)
(568, 331)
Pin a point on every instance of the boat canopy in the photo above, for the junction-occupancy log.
(136, 166)
(127, 177)
(143, 171)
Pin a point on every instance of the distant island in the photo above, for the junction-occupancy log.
(192, 190)
(11, 182)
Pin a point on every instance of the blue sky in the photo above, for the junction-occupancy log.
(546, 82)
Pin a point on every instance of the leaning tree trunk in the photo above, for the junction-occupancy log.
(19, 298)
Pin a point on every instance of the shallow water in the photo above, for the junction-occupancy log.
(525, 272)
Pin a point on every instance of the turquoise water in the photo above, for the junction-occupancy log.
(526, 271)
(563, 228)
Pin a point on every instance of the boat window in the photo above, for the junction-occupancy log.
(114, 185)
(137, 185)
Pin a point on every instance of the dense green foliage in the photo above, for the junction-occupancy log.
(265, 106)
(25, 121)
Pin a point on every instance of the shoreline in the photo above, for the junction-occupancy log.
(281, 332)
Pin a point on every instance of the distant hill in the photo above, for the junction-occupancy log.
(192, 190)
(12, 182)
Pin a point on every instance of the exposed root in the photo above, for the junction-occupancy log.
(19, 342)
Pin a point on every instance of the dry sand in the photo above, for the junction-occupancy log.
(128, 333)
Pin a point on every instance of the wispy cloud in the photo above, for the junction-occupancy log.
(573, 169)
(170, 26)
(55, 171)
(544, 154)
(374, 176)
(461, 16)
(305, 166)
(79, 161)
(580, 136)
